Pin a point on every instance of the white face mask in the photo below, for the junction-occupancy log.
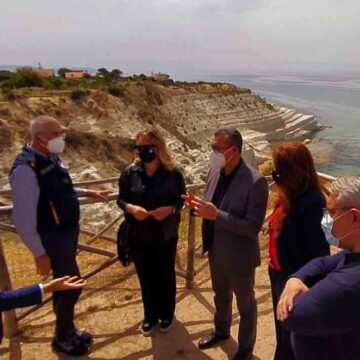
(56, 146)
(217, 160)
(327, 224)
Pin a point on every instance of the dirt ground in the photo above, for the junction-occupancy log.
(111, 309)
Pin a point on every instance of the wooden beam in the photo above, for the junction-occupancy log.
(201, 267)
(95, 250)
(87, 275)
(76, 184)
(190, 252)
(10, 323)
(91, 233)
(105, 228)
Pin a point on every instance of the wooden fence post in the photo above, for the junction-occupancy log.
(190, 269)
(10, 323)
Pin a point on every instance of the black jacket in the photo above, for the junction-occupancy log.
(301, 238)
(164, 188)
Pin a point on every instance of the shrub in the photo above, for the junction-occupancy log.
(267, 167)
(116, 91)
(26, 77)
(78, 95)
(167, 82)
(5, 75)
(52, 83)
(8, 93)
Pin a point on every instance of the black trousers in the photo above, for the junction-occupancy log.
(155, 267)
(283, 349)
(61, 248)
(225, 283)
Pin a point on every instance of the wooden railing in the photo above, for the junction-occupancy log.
(10, 318)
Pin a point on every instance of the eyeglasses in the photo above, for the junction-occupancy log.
(217, 150)
(331, 211)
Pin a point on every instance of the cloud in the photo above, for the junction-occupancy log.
(179, 35)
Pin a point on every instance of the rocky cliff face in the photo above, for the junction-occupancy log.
(100, 126)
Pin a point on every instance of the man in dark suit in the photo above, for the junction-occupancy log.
(31, 295)
(233, 212)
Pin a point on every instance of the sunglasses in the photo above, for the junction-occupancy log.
(144, 147)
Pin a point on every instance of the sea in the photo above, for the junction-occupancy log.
(333, 99)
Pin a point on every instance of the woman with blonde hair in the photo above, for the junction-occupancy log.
(150, 192)
(295, 233)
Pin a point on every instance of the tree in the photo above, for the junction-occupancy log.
(61, 72)
(115, 74)
(26, 77)
(104, 73)
(5, 75)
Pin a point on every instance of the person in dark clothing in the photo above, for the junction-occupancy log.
(233, 210)
(150, 193)
(46, 214)
(295, 233)
(320, 302)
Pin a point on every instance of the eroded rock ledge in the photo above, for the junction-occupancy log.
(100, 126)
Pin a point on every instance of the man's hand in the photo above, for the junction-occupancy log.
(101, 195)
(161, 212)
(202, 208)
(293, 288)
(43, 265)
(188, 200)
(137, 211)
(64, 283)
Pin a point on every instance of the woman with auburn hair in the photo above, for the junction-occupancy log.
(295, 233)
(150, 193)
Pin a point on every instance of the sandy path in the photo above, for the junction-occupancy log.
(111, 309)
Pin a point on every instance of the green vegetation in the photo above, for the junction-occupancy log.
(22, 77)
(116, 91)
(9, 94)
(267, 167)
(78, 95)
(5, 75)
(108, 80)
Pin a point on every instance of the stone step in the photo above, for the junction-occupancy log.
(300, 122)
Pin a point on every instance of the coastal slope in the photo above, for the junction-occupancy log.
(100, 126)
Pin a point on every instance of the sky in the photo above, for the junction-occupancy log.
(183, 37)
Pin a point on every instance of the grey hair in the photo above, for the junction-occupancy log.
(347, 191)
(37, 124)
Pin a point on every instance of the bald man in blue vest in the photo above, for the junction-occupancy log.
(46, 214)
